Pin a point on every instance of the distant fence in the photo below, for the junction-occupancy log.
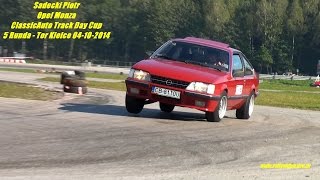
(95, 63)
(124, 64)
(118, 63)
(287, 77)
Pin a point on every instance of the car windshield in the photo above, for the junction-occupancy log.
(194, 54)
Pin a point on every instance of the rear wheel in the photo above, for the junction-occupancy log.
(220, 111)
(134, 105)
(246, 110)
(166, 107)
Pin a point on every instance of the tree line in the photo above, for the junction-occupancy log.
(276, 35)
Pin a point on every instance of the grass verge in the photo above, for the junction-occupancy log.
(88, 74)
(106, 76)
(18, 70)
(297, 100)
(120, 86)
(22, 91)
(288, 85)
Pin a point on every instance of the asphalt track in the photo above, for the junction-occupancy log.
(93, 137)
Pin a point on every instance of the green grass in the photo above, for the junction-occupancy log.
(106, 76)
(288, 85)
(18, 70)
(89, 74)
(288, 96)
(22, 91)
(119, 86)
(290, 99)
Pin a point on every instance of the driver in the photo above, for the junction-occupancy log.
(218, 61)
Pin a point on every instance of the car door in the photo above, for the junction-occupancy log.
(236, 84)
(249, 77)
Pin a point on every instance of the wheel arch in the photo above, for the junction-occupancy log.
(254, 90)
(223, 88)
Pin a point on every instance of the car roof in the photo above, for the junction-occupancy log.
(208, 42)
(236, 50)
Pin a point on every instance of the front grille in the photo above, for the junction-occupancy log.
(169, 82)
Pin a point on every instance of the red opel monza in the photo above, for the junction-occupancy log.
(195, 73)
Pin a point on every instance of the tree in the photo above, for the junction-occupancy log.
(275, 35)
(295, 23)
(269, 18)
(265, 56)
(245, 28)
(310, 48)
(216, 17)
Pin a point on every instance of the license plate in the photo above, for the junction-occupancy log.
(166, 92)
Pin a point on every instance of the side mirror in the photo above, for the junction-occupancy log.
(238, 73)
(248, 72)
(257, 74)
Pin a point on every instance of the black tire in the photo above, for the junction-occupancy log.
(168, 108)
(64, 75)
(75, 82)
(80, 74)
(75, 90)
(244, 111)
(214, 116)
(134, 105)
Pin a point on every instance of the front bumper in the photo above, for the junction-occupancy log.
(188, 99)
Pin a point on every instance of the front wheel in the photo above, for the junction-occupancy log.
(134, 105)
(166, 107)
(220, 111)
(246, 110)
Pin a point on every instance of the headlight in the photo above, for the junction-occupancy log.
(201, 87)
(140, 75)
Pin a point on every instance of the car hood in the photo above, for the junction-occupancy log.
(181, 71)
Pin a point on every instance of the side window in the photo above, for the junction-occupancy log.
(237, 66)
(248, 70)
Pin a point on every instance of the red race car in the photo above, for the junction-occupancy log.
(195, 73)
(316, 82)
